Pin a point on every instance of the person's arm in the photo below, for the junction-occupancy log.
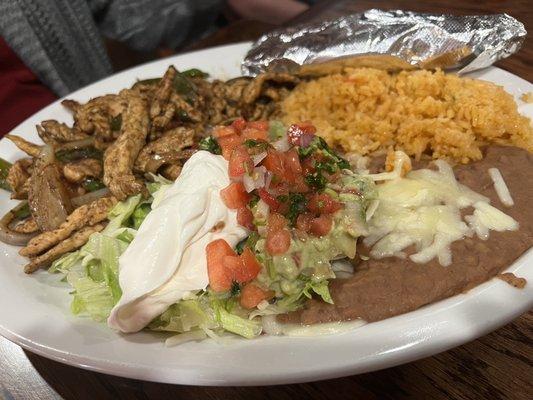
(146, 24)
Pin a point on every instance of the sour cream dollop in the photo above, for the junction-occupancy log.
(166, 260)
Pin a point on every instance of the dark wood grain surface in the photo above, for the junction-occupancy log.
(496, 366)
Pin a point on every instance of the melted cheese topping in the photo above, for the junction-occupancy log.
(501, 188)
(423, 210)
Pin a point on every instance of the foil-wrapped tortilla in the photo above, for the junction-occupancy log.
(391, 40)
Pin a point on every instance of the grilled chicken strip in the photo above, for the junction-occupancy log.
(52, 132)
(77, 171)
(17, 178)
(121, 155)
(88, 214)
(72, 243)
(165, 150)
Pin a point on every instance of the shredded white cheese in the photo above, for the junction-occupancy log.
(501, 188)
(422, 209)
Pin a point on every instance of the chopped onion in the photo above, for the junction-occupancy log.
(268, 179)
(259, 157)
(9, 236)
(306, 139)
(255, 180)
(89, 197)
(282, 144)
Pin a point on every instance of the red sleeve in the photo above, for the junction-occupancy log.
(21, 92)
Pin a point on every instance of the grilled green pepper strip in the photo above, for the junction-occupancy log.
(151, 81)
(78, 154)
(184, 87)
(183, 115)
(23, 211)
(92, 185)
(195, 73)
(4, 170)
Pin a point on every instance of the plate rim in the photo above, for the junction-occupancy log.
(141, 371)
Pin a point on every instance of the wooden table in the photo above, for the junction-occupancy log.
(497, 366)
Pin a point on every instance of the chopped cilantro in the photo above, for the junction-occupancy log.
(316, 180)
(250, 242)
(240, 246)
(319, 144)
(210, 144)
(254, 200)
(297, 204)
(282, 198)
(327, 166)
(235, 288)
(257, 144)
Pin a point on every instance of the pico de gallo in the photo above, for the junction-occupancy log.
(302, 206)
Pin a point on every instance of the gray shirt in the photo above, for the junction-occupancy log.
(61, 40)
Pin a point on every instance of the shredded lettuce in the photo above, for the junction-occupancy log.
(119, 215)
(295, 301)
(92, 271)
(209, 315)
(185, 316)
(139, 214)
(233, 323)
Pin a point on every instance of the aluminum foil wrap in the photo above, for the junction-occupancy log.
(391, 40)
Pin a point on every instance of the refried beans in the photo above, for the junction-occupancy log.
(387, 287)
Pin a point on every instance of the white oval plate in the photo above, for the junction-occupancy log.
(34, 310)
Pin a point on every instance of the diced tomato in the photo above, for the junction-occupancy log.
(216, 252)
(308, 165)
(252, 295)
(228, 143)
(232, 265)
(243, 268)
(303, 222)
(274, 162)
(321, 226)
(323, 203)
(276, 222)
(299, 185)
(278, 242)
(292, 161)
(235, 196)
(301, 134)
(239, 124)
(260, 125)
(279, 187)
(253, 133)
(222, 131)
(245, 218)
(283, 167)
(240, 162)
(269, 199)
(251, 265)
